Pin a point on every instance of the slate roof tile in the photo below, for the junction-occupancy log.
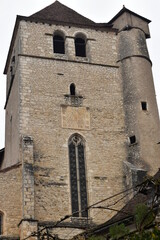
(61, 13)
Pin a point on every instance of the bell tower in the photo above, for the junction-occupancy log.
(81, 121)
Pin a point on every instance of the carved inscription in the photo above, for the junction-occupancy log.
(75, 117)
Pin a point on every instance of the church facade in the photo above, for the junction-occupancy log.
(81, 121)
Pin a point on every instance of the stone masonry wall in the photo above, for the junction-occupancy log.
(138, 87)
(12, 111)
(45, 79)
(11, 199)
(37, 40)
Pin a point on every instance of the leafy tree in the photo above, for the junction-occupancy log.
(144, 216)
(153, 234)
(97, 238)
(117, 231)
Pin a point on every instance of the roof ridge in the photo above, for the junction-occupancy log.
(62, 13)
(124, 9)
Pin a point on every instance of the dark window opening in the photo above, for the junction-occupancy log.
(1, 223)
(78, 176)
(144, 106)
(13, 59)
(132, 139)
(58, 44)
(80, 47)
(12, 71)
(72, 89)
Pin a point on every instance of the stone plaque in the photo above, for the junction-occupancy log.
(75, 117)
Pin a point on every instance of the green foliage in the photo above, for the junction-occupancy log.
(143, 216)
(153, 234)
(96, 238)
(121, 232)
(156, 233)
(118, 231)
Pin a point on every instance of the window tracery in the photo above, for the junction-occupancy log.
(78, 176)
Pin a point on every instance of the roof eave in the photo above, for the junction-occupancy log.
(41, 20)
(105, 227)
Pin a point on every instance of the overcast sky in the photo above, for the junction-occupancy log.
(96, 10)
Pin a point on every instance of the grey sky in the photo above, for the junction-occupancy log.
(97, 10)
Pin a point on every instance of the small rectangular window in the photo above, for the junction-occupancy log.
(144, 106)
(132, 139)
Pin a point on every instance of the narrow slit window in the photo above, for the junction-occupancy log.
(144, 106)
(132, 139)
(72, 89)
(13, 59)
(1, 223)
(58, 44)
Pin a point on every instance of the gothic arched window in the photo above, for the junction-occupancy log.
(80, 47)
(58, 44)
(78, 176)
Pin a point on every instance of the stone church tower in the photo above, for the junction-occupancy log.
(81, 120)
